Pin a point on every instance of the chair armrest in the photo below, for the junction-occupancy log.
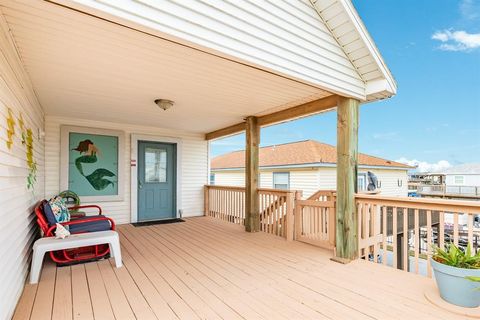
(69, 223)
(87, 206)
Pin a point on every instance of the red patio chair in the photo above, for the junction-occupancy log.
(76, 226)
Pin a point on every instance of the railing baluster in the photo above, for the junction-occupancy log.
(429, 242)
(405, 248)
(455, 228)
(441, 229)
(416, 233)
(470, 229)
(384, 235)
(394, 233)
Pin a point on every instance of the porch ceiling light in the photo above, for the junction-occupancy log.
(164, 104)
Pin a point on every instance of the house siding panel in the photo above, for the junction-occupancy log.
(193, 167)
(18, 229)
(393, 182)
(287, 37)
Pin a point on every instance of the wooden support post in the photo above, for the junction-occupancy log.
(347, 166)
(206, 197)
(252, 212)
(290, 223)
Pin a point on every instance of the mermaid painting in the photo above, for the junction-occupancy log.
(98, 179)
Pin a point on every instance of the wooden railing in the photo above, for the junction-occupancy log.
(449, 191)
(400, 232)
(225, 203)
(276, 208)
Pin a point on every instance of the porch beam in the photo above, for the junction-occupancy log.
(347, 167)
(292, 113)
(236, 128)
(252, 207)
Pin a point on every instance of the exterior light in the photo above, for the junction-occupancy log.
(164, 104)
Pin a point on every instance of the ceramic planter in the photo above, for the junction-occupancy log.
(454, 287)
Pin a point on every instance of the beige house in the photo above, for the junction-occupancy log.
(309, 166)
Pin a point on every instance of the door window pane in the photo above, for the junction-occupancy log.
(155, 165)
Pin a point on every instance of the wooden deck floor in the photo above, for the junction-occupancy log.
(208, 269)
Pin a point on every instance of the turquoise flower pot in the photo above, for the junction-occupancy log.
(454, 287)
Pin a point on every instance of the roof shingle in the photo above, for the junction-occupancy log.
(295, 153)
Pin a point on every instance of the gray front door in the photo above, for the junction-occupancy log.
(156, 180)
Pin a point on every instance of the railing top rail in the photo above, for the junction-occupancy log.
(233, 188)
(276, 190)
(236, 188)
(423, 203)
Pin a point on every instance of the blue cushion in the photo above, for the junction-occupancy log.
(47, 211)
(93, 226)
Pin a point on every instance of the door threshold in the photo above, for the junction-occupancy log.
(154, 222)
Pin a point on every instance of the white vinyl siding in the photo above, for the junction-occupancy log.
(287, 37)
(229, 178)
(194, 166)
(393, 181)
(18, 228)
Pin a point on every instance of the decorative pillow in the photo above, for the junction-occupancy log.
(47, 210)
(59, 209)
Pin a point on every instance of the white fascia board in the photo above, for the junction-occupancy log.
(369, 44)
(310, 165)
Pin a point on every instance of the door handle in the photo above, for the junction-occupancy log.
(140, 185)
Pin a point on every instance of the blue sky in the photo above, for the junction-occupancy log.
(432, 48)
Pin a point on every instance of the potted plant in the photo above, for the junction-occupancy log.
(456, 273)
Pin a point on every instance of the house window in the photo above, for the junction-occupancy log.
(459, 179)
(361, 182)
(212, 179)
(281, 180)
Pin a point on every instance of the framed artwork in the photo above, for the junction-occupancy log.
(92, 164)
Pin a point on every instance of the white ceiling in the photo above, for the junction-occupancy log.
(85, 67)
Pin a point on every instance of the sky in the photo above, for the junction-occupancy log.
(432, 48)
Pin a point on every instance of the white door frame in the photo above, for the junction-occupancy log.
(135, 138)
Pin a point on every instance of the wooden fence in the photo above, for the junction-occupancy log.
(401, 231)
(276, 208)
(315, 219)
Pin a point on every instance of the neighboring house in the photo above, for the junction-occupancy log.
(309, 166)
(457, 182)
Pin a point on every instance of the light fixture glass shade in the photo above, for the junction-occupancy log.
(164, 103)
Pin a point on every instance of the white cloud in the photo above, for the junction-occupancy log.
(470, 9)
(387, 136)
(457, 40)
(423, 166)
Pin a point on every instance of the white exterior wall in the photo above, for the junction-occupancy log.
(194, 166)
(17, 227)
(313, 179)
(393, 182)
(287, 37)
(469, 180)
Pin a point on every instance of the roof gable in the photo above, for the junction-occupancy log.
(297, 153)
(344, 23)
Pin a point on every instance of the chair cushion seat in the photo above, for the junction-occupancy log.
(92, 226)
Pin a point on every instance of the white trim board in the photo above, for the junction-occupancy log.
(135, 138)
(65, 130)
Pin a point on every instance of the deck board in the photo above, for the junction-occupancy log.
(208, 269)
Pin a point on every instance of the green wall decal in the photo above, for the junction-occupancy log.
(10, 129)
(27, 141)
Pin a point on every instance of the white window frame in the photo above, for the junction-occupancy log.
(281, 173)
(365, 183)
(458, 176)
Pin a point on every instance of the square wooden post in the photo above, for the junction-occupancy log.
(347, 166)
(252, 207)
